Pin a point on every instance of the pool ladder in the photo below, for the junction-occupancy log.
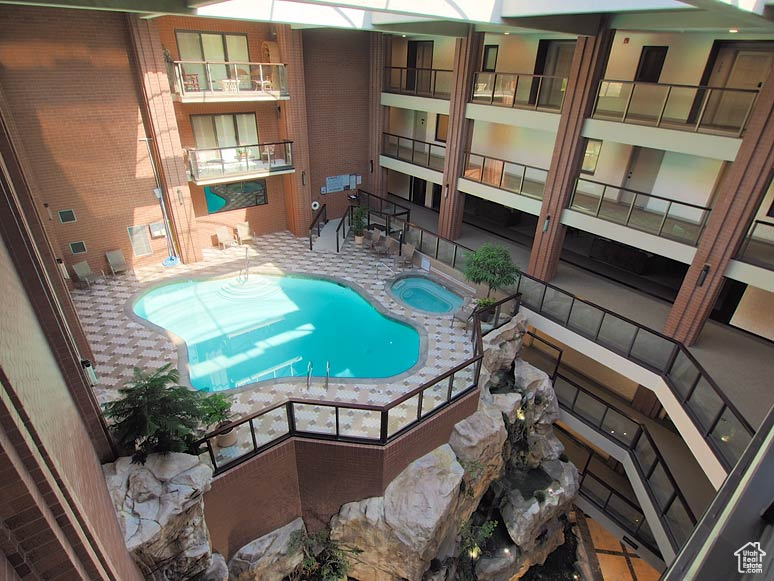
(309, 374)
(244, 273)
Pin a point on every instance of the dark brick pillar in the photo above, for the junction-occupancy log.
(467, 56)
(588, 65)
(161, 126)
(298, 198)
(740, 193)
(377, 178)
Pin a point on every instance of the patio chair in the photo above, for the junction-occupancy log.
(378, 241)
(116, 261)
(243, 232)
(406, 257)
(464, 314)
(85, 274)
(225, 238)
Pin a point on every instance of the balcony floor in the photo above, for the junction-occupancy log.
(739, 362)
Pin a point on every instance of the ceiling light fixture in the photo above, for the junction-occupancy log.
(403, 35)
(506, 33)
(733, 30)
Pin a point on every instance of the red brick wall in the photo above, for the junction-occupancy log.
(336, 65)
(68, 82)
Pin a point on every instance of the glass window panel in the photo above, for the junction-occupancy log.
(204, 131)
(587, 196)
(595, 490)
(247, 129)
(683, 374)
(705, 403)
(648, 213)
(493, 169)
(189, 46)
(652, 349)
(660, 486)
(525, 86)
(585, 318)
(589, 408)
(616, 333)
(236, 45)
(591, 156)
(625, 512)
(225, 130)
(140, 240)
(644, 453)
(679, 522)
(615, 204)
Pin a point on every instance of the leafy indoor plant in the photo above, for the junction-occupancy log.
(216, 410)
(156, 415)
(359, 223)
(491, 265)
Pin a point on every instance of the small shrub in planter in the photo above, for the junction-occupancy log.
(154, 415)
(217, 413)
(359, 223)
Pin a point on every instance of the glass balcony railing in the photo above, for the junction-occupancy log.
(430, 155)
(241, 160)
(435, 83)
(758, 246)
(220, 80)
(683, 107)
(506, 175)
(662, 217)
(675, 513)
(522, 91)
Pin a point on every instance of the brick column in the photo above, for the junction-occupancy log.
(741, 191)
(467, 56)
(588, 65)
(380, 46)
(161, 126)
(298, 197)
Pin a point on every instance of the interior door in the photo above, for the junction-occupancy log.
(418, 189)
(419, 56)
(749, 71)
(554, 60)
(651, 64)
(644, 165)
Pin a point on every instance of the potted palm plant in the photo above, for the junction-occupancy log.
(217, 412)
(491, 265)
(358, 224)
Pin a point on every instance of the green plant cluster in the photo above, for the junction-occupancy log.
(472, 537)
(491, 265)
(323, 558)
(359, 220)
(155, 415)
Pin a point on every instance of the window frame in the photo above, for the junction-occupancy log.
(59, 214)
(583, 169)
(131, 240)
(222, 35)
(487, 49)
(73, 252)
(233, 120)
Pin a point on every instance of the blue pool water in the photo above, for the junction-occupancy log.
(214, 201)
(271, 326)
(422, 293)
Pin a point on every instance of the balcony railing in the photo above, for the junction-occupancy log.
(663, 217)
(222, 80)
(675, 513)
(724, 429)
(596, 488)
(240, 160)
(414, 151)
(422, 82)
(683, 107)
(544, 92)
(758, 246)
(506, 175)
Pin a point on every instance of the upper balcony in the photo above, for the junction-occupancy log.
(226, 82)
(242, 162)
(420, 82)
(699, 109)
(522, 91)
(421, 153)
(758, 245)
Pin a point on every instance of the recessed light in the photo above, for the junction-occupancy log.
(506, 33)
(733, 30)
(403, 35)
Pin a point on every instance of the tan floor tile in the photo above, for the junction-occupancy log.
(644, 571)
(601, 537)
(614, 567)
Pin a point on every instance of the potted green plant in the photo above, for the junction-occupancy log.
(491, 265)
(216, 411)
(358, 224)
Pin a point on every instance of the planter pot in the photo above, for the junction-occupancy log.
(359, 240)
(227, 438)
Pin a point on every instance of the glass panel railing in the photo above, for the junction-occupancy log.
(506, 175)
(422, 82)
(557, 305)
(524, 91)
(655, 215)
(315, 418)
(414, 151)
(679, 522)
(434, 396)
(271, 426)
(661, 487)
(616, 333)
(687, 108)
(758, 246)
(239, 160)
(730, 436)
(231, 79)
(585, 319)
(403, 415)
(359, 423)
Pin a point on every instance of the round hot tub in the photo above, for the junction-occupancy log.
(424, 294)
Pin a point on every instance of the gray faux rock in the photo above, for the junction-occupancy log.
(268, 558)
(161, 513)
(501, 346)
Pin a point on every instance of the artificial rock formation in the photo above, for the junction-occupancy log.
(270, 557)
(161, 512)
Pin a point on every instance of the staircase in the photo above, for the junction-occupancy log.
(327, 240)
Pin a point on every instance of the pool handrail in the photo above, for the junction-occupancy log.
(320, 215)
(677, 349)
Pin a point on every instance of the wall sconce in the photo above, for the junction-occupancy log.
(703, 275)
(303, 178)
(371, 165)
(179, 196)
(446, 191)
(279, 111)
(546, 223)
(91, 375)
(48, 211)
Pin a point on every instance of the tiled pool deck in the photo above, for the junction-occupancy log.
(121, 343)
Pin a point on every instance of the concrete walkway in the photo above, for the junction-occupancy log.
(327, 240)
(740, 363)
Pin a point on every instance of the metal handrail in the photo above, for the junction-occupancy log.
(240, 146)
(414, 140)
(320, 215)
(637, 192)
(679, 85)
(403, 73)
(342, 225)
(677, 350)
(382, 201)
(262, 81)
